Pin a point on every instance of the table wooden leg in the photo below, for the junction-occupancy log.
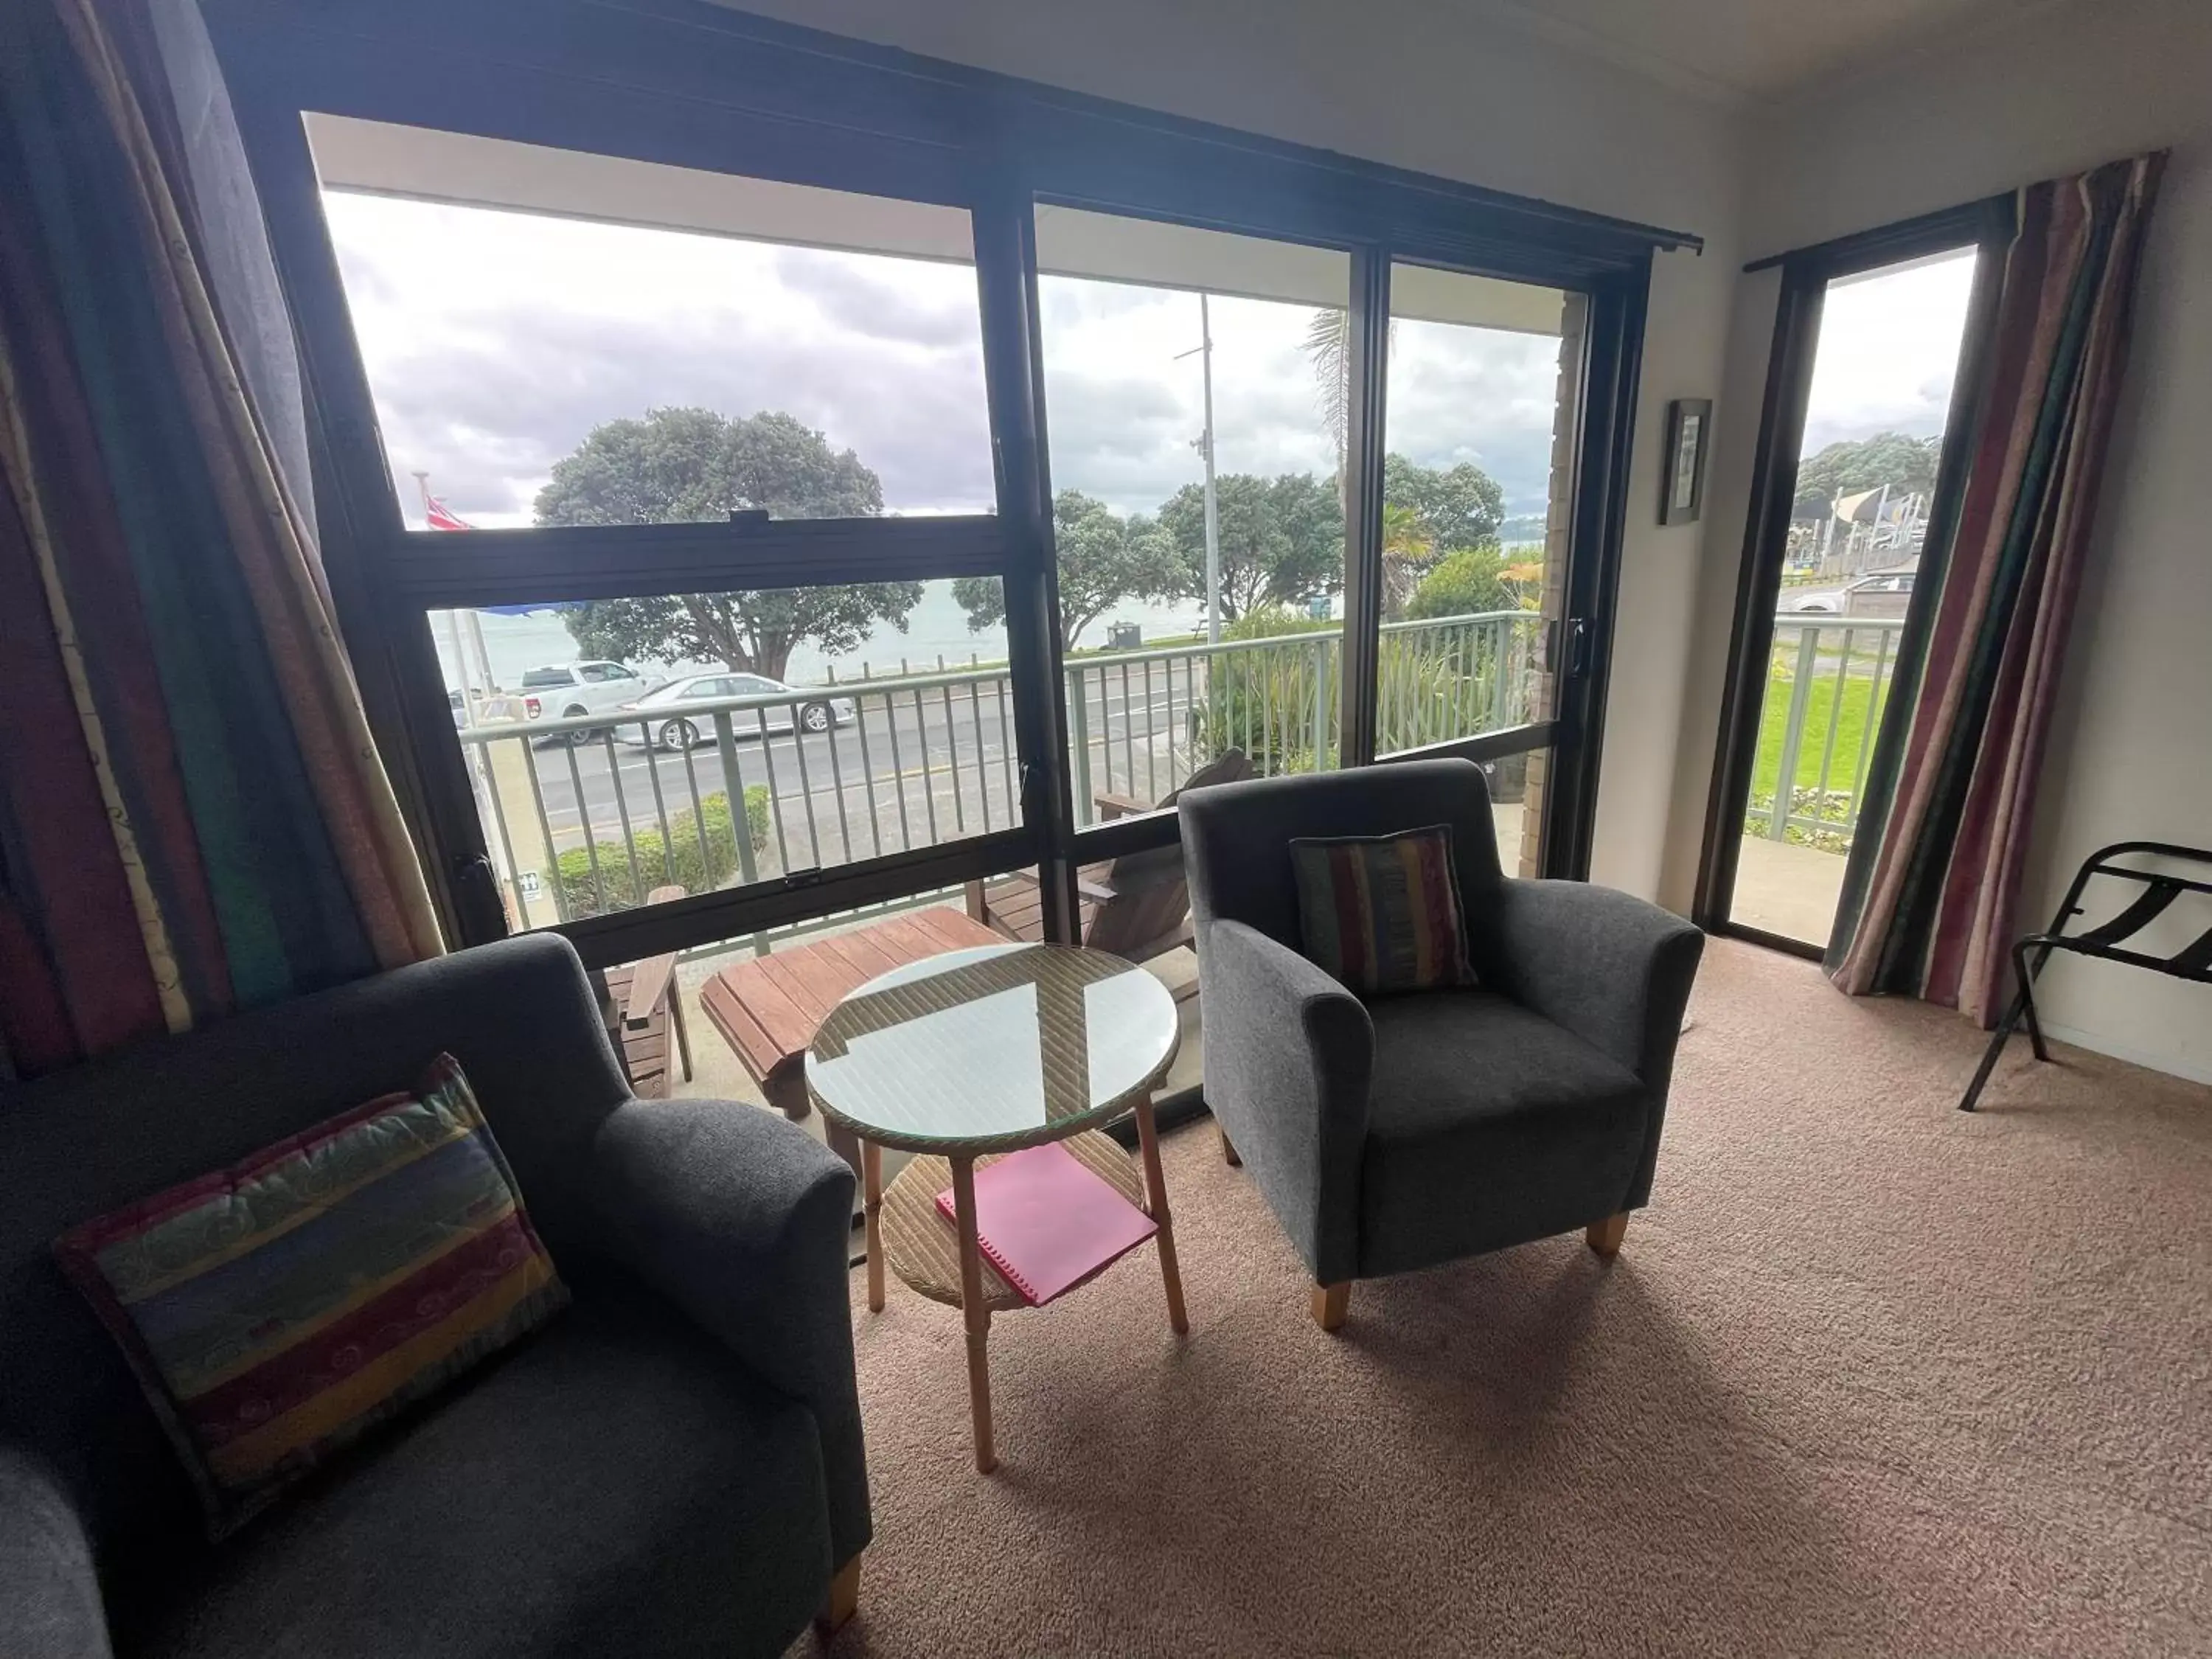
(1156, 1193)
(872, 1182)
(978, 1316)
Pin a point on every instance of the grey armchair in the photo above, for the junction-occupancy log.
(672, 1466)
(1405, 1130)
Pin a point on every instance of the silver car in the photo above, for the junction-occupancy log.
(668, 718)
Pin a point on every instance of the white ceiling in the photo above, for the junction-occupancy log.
(1767, 51)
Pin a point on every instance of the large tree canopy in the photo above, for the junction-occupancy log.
(1459, 506)
(1906, 464)
(693, 465)
(1102, 560)
(1281, 538)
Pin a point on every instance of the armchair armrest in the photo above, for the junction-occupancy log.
(1288, 1054)
(1610, 968)
(49, 1606)
(745, 1222)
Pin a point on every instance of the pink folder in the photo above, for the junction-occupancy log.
(1046, 1222)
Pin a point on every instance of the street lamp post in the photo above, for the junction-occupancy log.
(1204, 352)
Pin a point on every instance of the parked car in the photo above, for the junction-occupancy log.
(1885, 593)
(661, 716)
(1877, 593)
(568, 690)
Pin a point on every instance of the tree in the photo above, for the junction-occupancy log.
(1462, 506)
(1102, 560)
(1906, 464)
(693, 465)
(1281, 538)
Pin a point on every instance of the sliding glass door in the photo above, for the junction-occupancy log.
(1873, 360)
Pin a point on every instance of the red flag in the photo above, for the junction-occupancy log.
(441, 516)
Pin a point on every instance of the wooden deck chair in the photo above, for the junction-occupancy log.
(1136, 906)
(643, 1008)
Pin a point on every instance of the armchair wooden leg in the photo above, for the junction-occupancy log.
(1605, 1236)
(1330, 1303)
(1228, 1150)
(844, 1597)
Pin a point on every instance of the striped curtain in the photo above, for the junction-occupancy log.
(1929, 900)
(192, 819)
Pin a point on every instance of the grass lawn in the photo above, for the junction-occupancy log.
(1855, 723)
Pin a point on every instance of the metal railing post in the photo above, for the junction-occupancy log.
(1793, 734)
(1320, 704)
(741, 821)
(1078, 718)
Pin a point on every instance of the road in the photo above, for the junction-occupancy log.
(917, 769)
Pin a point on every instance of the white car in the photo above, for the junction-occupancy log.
(568, 690)
(663, 715)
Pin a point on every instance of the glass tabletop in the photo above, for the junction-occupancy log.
(993, 1047)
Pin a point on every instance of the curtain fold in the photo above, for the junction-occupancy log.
(192, 816)
(1929, 903)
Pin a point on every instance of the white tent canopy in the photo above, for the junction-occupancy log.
(420, 162)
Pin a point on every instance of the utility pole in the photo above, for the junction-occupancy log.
(1204, 352)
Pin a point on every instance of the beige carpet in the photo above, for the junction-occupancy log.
(1871, 1376)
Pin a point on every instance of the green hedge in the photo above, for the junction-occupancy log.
(699, 867)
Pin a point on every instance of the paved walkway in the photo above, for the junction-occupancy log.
(1783, 887)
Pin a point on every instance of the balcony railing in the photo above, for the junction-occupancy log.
(1828, 680)
(591, 815)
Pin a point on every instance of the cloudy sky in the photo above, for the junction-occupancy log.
(494, 341)
(1889, 345)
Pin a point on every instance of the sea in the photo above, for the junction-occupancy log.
(935, 632)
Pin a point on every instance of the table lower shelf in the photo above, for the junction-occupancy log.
(923, 1249)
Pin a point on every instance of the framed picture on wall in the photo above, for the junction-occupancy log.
(1689, 425)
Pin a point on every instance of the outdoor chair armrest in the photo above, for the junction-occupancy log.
(1289, 1052)
(744, 1221)
(1097, 891)
(1112, 804)
(50, 1605)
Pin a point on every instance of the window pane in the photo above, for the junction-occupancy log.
(572, 339)
(1161, 343)
(1477, 486)
(592, 797)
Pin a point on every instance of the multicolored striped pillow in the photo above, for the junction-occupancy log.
(275, 1310)
(1381, 913)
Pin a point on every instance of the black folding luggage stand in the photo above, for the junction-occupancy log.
(2106, 942)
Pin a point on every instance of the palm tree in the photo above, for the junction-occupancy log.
(1407, 548)
(1328, 346)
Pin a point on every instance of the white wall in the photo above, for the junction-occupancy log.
(1428, 87)
(2131, 748)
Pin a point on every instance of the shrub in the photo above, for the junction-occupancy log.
(1261, 700)
(699, 867)
(1466, 583)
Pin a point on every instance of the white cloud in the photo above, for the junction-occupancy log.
(1888, 350)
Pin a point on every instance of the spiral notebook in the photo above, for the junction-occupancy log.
(1047, 1223)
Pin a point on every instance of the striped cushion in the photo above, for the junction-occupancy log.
(275, 1310)
(1381, 913)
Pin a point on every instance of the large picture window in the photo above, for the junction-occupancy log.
(807, 478)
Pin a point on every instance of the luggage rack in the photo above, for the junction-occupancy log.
(2108, 941)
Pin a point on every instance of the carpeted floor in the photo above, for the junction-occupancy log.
(1870, 1376)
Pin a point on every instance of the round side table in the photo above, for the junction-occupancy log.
(967, 1056)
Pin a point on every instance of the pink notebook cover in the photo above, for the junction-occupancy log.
(1045, 1221)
